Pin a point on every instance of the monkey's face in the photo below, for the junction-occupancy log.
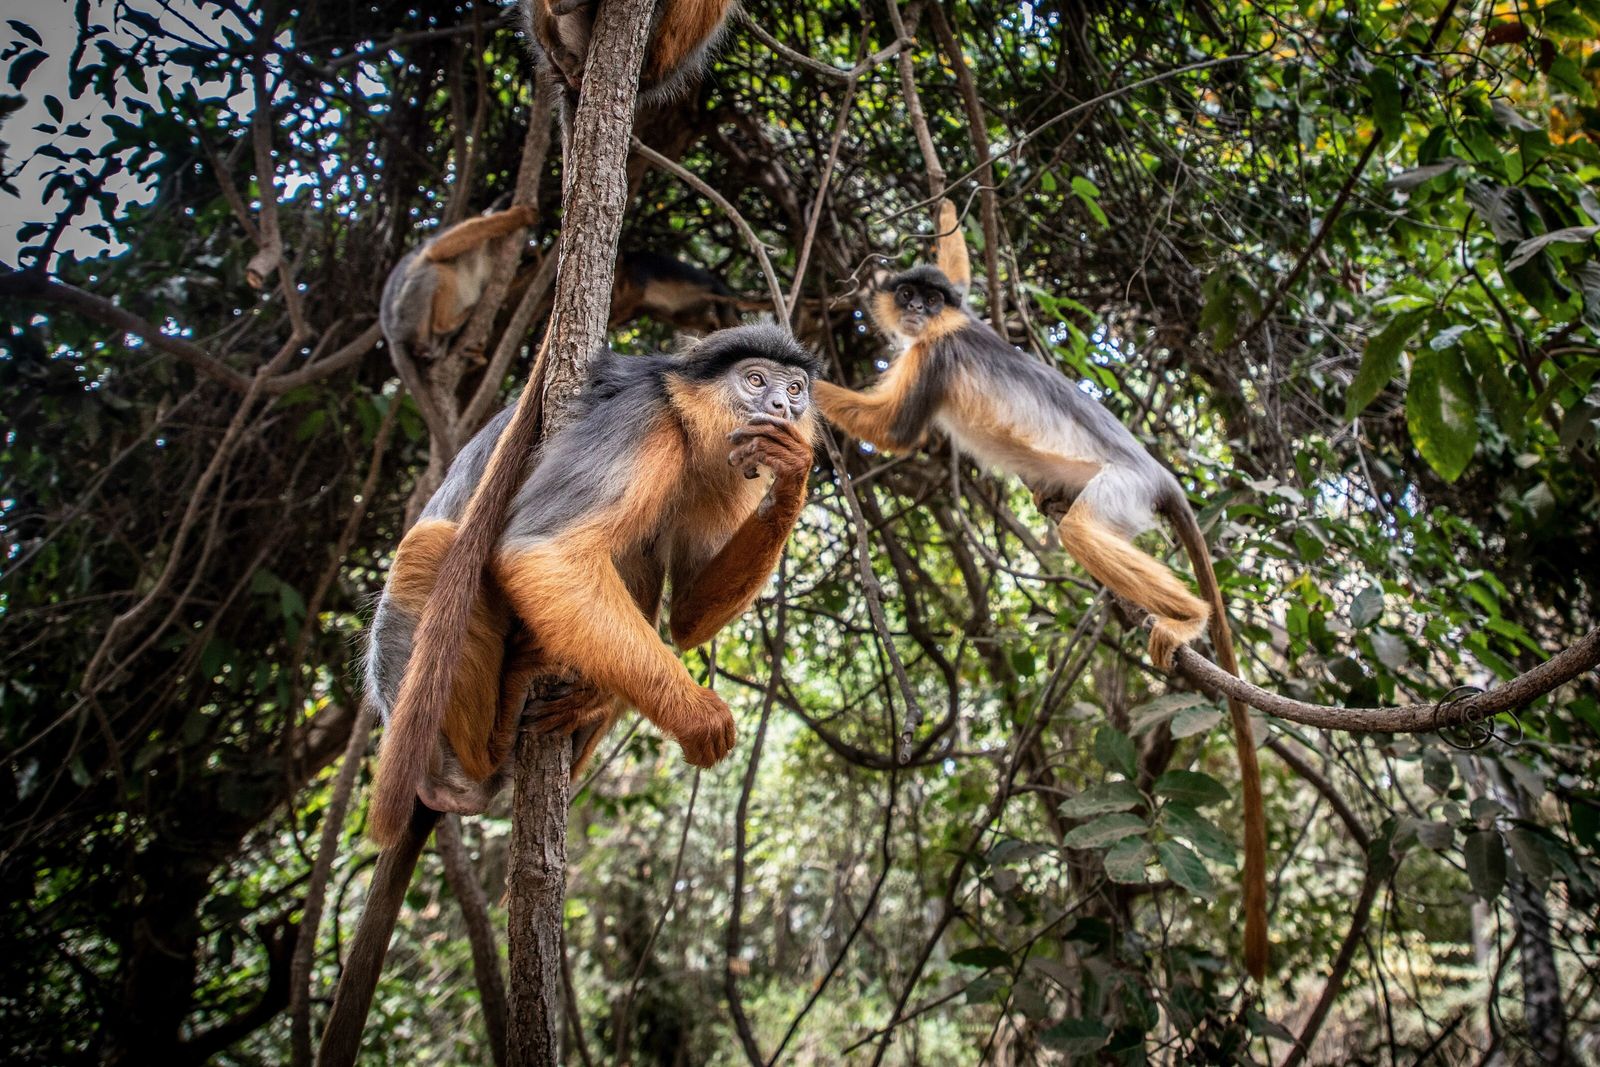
(767, 387)
(910, 301)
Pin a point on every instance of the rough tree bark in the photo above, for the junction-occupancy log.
(595, 180)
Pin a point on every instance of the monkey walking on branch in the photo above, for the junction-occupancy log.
(1016, 414)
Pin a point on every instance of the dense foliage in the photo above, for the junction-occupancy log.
(1337, 261)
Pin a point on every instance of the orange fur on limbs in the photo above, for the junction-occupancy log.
(658, 481)
(681, 37)
(1011, 412)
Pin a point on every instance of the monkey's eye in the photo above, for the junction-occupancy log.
(794, 388)
(756, 380)
(934, 299)
(905, 293)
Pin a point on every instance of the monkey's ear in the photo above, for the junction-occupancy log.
(951, 248)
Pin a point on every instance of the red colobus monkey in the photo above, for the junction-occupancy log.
(681, 37)
(953, 373)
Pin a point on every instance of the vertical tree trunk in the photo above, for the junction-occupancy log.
(595, 180)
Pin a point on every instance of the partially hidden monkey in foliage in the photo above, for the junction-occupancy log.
(656, 480)
(431, 292)
(1016, 414)
(671, 291)
(681, 36)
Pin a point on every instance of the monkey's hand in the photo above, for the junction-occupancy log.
(777, 444)
(707, 733)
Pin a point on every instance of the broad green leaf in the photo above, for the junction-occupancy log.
(1103, 798)
(1534, 245)
(1381, 362)
(1184, 821)
(1104, 830)
(1530, 855)
(1386, 109)
(982, 956)
(1437, 770)
(1184, 867)
(1125, 861)
(1076, 1037)
(1114, 751)
(1442, 411)
(1191, 721)
(1194, 788)
(1366, 607)
(1153, 713)
(1486, 863)
(1390, 649)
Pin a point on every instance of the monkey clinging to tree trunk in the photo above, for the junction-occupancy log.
(656, 481)
(1012, 412)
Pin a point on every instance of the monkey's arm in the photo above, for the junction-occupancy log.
(568, 591)
(897, 411)
(725, 586)
(463, 237)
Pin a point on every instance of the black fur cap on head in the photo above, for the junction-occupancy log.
(713, 354)
(611, 374)
(928, 276)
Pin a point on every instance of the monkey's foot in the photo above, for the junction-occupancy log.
(458, 795)
(566, 707)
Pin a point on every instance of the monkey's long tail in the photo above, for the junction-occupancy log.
(1255, 819)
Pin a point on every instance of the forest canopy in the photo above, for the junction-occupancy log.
(1336, 263)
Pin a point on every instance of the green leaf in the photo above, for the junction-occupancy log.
(982, 956)
(1366, 607)
(1089, 193)
(1532, 859)
(1103, 798)
(1126, 860)
(1381, 362)
(1194, 788)
(1153, 713)
(1185, 822)
(1486, 863)
(1386, 110)
(1442, 410)
(1076, 1037)
(1184, 867)
(1437, 770)
(1115, 751)
(1526, 250)
(1191, 721)
(1104, 830)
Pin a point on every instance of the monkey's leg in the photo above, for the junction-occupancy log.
(464, 236)
(341, 1039)
(683, 29)
(1115, 563)
(569, 593)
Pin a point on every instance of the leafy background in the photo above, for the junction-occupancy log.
(1336, 261)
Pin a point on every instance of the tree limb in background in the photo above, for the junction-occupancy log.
(1405, 718)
